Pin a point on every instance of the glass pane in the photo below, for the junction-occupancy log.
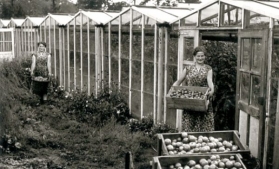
(148, 102)
(136, 47)
(136, 74)
(258, 21)
(125, 43)
(209, 15)
(255, 90)
(114, 70)
(173, 50)
(135, 109)
(246, 52)
(257, 54)
(125, 72)
(148, 77)
(232, 15)
(149, 48)
(275, 58)
(190, 20)
(244, 87)
(188, 49)
(114, 45)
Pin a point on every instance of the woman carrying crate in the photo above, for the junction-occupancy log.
(41, 71)
(198, 74)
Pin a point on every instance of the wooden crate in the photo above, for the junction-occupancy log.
(163, 162)
(229, 135)
(190, 104)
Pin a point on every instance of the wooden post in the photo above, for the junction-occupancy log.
(29, 38)
(109, 54)
(13, 42)
(60, 56)
(75, 57)
(45, 38)
(68, 45)
(166, 72)
(49, 34)
(41, 34)
(88, 57)
(63, 56)
(81, 53)
(155, 74)
(54, 48)
(160, 73)
(268, 91)
(119, 51)
(98, 57)
(181, 44)
(96, 60)
(142, 66)
(130, 59)
(102, 56)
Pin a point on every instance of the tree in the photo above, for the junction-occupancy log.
(90, 4)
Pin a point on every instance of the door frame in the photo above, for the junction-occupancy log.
(260, 114)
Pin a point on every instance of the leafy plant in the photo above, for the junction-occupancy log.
(222, 58)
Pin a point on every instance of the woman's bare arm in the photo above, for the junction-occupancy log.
(33, 65)
(49, 64)
(181, 78)
(210, 82)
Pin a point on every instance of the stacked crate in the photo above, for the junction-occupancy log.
(216, 149)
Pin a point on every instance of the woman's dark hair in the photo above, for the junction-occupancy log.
(43, 43)
(199, 49)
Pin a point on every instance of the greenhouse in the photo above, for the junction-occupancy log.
(141, 50)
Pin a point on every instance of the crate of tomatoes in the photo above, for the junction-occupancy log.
(198, 162)
(214, 142)
(192, 98)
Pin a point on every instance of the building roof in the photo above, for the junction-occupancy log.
(16, 22)
(265, 8)
(4, 23)
(60, 19)
(95, 17)
(154, 14)
(35, 21)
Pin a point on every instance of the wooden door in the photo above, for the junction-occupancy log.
(251, 87)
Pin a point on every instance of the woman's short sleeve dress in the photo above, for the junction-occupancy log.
(41, 69)
(197, 121)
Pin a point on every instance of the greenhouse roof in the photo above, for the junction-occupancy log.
(16, 22)
(97, 17)
(4, 23)
(60, 19)
(270, 9)
(35, 21)
(158, 15)
(265, 8)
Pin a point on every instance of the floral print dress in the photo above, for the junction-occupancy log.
(42, 71)
(41, 64)
(198, 121)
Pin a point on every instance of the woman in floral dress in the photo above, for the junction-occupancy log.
(41, 65)
(198, 74)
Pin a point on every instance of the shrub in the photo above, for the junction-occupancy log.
(90, 109)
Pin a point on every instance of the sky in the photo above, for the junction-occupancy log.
(74, 1)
